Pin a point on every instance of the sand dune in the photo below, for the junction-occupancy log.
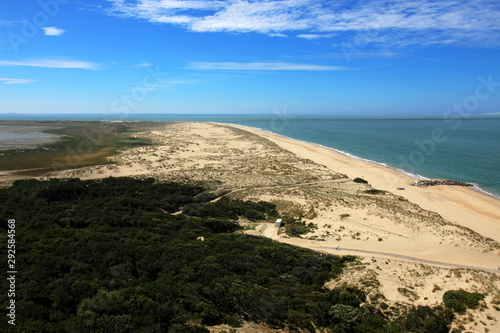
(416, 237)
(464, 206)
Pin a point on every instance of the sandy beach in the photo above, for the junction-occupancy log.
(464, 206)
(425, 240)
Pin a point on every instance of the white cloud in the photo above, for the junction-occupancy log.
(6, 23)
(277, 34)
(15, 81)
(314, 36)
(169, 83)
(144, 64)
(172, 19)
(53, 31)
(444, 22)
(262, 66)
(258, 16)
(51, 63)
(309, 36)
(360, 54)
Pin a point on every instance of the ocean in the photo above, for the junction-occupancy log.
(425, 147)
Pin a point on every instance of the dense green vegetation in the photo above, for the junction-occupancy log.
(461, 300)
(360, 180)
(423, 319)
(108, 256)
(296, 227)
(231, 209)
(374, 192)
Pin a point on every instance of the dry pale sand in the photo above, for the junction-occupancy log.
(411, 240)
(464, 206)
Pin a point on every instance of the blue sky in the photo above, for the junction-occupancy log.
(198, 56)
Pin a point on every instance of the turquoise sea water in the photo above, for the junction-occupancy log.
(466, 150)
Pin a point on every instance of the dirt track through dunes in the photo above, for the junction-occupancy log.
(325, 181)
(386, 255)
(270, 231)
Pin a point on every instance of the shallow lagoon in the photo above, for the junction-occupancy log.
(24, 137)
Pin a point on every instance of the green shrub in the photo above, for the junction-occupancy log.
(360, 180)
(374, 191)
(423, 319)
(296, 227)
(205, 197)
(231, 209)
(345, 317)
(461, 300)
(232, 321)
(187, 329)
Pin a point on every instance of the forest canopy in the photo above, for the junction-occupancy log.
(109, 256)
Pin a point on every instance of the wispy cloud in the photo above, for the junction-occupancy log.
(15, 81)
(173, 82)
(164, 83)
(144, 64)
(276, 34)
(364, 54)
(315, 36)
(405, 23)
(53, 31)
(52, 63)
(262, 66)
(268, 17)
(6, 23)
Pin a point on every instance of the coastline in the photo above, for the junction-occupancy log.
(480, 184)
(401, 243)
(474, 186)
(465, 206)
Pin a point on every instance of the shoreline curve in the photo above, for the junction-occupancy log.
(465, 206)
